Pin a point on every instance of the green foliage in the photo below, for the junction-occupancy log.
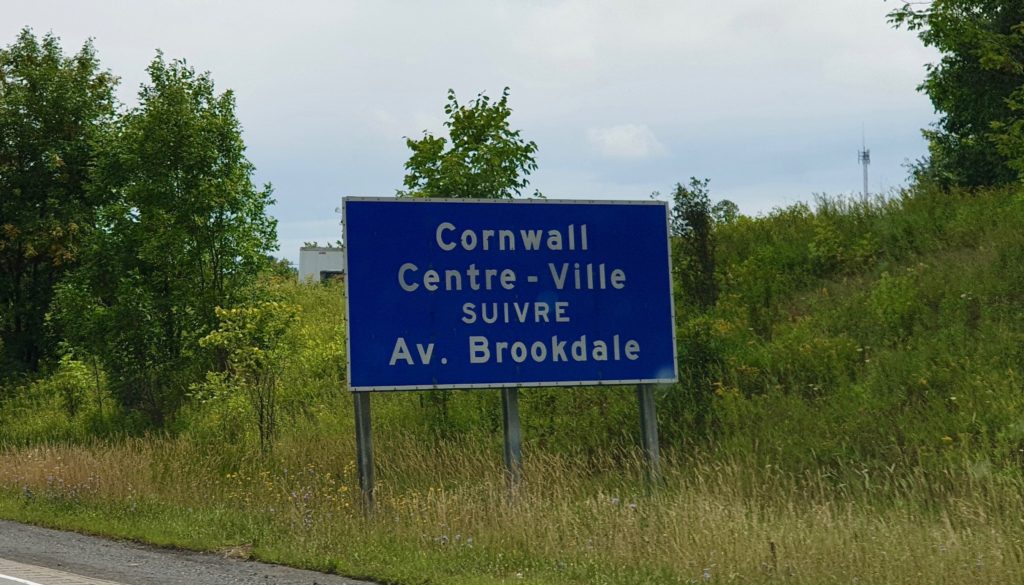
(828, 319)
(691, 223)
(976, 86)
(72, 381)
(1008, 135)
(1010, 262)
(250, 336)
(724, 212)
(281, 267)
(186, 232)
(70, 404)
(52, 110)
(896, 305)
(302, 338)
(687, 407)
(482, 158)
(883, 392)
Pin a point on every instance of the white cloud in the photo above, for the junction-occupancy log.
(626, 141)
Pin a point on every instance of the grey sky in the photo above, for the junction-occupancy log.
(767, 99)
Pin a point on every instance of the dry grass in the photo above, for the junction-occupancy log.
(444, 514)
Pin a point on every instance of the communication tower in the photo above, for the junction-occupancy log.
(864, 158)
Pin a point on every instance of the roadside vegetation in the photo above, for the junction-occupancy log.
(851, 407)
(849, 410)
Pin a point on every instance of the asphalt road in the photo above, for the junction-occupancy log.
(46, 557)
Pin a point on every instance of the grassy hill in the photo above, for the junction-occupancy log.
(851, 410)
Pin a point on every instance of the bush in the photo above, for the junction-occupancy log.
(250, 338)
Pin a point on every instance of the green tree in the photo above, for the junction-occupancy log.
(725, 212)
(483, 158)
(281, 268)
(974, 87)
(52, 109)
(186, 232)
(691, 223)
(692, 220)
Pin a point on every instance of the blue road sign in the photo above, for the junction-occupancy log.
(484, 294)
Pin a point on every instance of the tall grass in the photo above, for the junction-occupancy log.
(444, 514)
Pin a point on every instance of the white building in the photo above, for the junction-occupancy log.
(318, 264)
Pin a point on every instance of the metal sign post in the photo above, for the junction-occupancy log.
(649, 432)
(364, 449)
(513, 438)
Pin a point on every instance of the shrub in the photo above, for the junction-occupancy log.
(250, 338)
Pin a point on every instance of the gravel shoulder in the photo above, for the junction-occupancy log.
(137, 564)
